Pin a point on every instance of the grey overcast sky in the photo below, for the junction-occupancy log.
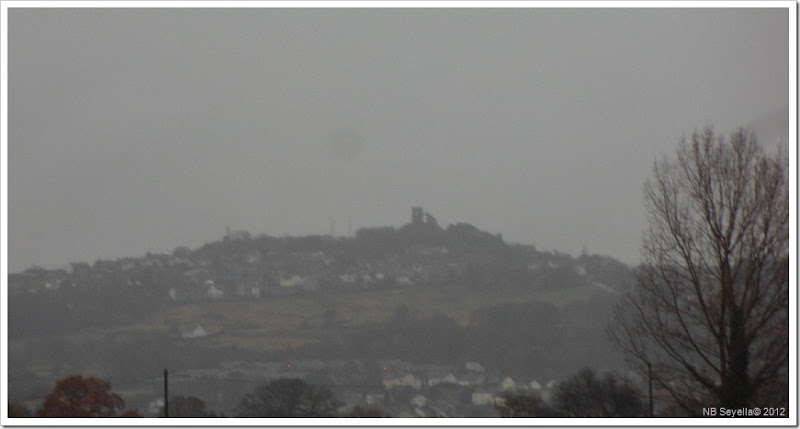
(136, 130)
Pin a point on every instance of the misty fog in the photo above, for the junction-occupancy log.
(136, 130)
(399, 212)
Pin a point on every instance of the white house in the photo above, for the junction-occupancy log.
(214, 293)
(403, 281)
(407, 380)
(154, 406)
(419, 401)
(292, 281)
(198, 332)
(253, 256)
(482, 398)
(449, 378)
(374, 398)
(474, 366)
(348, 277)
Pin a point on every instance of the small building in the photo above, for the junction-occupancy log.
(419, 401)
(374, 398)
(348, 277)
(474, 366)
(473, 378)
(508, 384)
(253, 257)
(482, 398)
(403, 281)
(155, 406)
(214, 293)
(408, 380)
(448, 378)
(292, 281)
(198, 332)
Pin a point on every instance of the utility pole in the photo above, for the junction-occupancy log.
(166, 397)
(650, 385)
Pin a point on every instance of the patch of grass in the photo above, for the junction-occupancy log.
(258, 343)
(275, 323)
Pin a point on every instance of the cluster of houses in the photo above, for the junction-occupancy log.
(441, 390)
(398, 388)
(299, 273)
(242, 267)
(255, 276)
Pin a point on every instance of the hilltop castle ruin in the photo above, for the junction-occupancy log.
(420, 217)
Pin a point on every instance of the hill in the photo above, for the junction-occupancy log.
(419, 293)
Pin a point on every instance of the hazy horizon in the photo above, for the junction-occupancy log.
(142, 130)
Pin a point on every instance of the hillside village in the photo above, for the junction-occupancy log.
(406, 362)
(399, 388)
(242, 267)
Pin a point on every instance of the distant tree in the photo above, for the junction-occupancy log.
(75, 396)
(187, 406)
(361, 411)
(521, 405)
(182, 252)
(709, 312)
(288, 397)
(401, 316)
(17, 410)
(587, 395)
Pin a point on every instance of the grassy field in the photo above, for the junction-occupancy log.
(260, 326)
(274, 323)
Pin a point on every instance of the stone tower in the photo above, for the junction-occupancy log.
(417, 216)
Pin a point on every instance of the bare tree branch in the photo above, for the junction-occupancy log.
(710, 307)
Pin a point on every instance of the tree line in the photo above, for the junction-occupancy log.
(585, 394)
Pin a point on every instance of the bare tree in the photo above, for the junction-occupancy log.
(288, 397)
(523, 405)
(709, 311)
(187, 406)
(587, 394)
